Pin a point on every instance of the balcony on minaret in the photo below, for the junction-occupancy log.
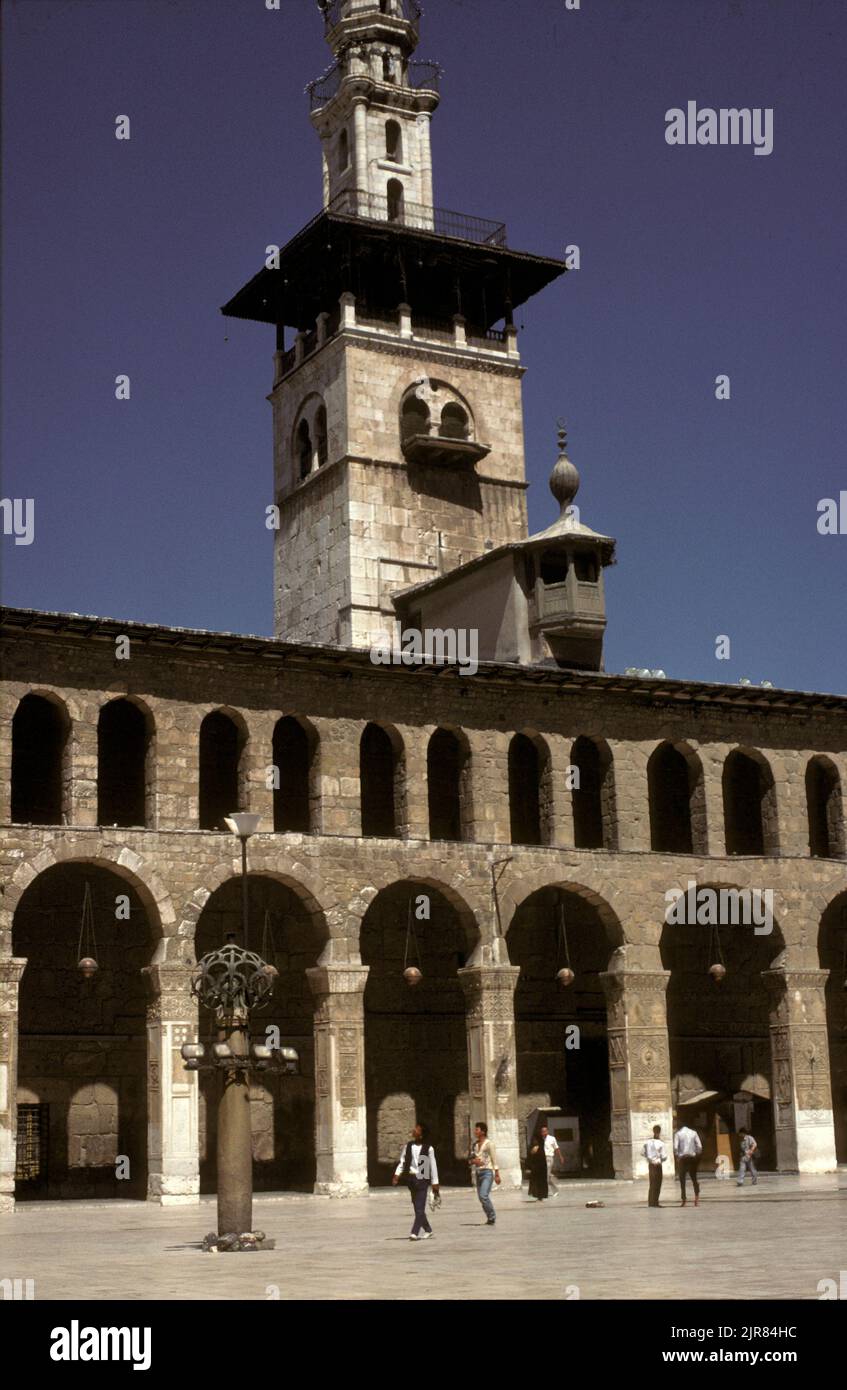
(436, 427)
(351, 13)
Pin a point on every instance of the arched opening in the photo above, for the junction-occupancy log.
(295, 750)
(454, 422)
(395, 200)
(416, 1055)
(749, 800)
(321, 448)
(40, 782)
(82, 1064)
(124, 765)
(448, 785)
(676, 799)
(414, 417)
(719, 1033)
(343, 151)
(593, 795)
(282, 1108)
(826, 811)
(388, 72)
(561, 1033)
(304, 449)
(832, 953)
(529, 791)
(381, 782)
(221, 791)
(393, 142)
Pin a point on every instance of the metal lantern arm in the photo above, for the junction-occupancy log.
(283, 1060)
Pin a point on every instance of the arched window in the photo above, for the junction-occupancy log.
(343, 151)
(593, 792)
(749, 800)
(446, 771)
(674, 784)
(304, 449)
(454, 422)
(294, 750)
(123, 740)
(39, 740)
(395, 200)
(387, 68)
(379, 774)
(393, 142)
(528, 772)
(826, 813)
(414, 418)
(221, 746)
(321, 436)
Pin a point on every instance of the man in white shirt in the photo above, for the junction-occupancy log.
(418, 1169)
(551, 1149)
(655, 1153)
(687, 1148)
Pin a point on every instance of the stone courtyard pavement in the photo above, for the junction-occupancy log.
(777, 1240)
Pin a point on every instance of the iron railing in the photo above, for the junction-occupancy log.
(336, 10)
(376, 207)
(420, 75)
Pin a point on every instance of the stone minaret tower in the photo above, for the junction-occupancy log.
(397, 414)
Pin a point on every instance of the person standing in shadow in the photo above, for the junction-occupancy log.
(537, 1163)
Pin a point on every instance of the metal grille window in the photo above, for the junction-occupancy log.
(31, 1159)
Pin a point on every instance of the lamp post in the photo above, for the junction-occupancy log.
(234, 981)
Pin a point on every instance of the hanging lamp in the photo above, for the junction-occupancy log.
(87, 953)
(268, 948)
(717, 969)
(564, 974)
(412, 974)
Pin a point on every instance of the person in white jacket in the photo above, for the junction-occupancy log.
(655, 1152)
(687, 1150)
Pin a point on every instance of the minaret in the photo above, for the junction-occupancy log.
(397, 413)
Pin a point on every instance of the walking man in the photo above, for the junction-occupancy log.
(655, 1153)
(551, 1149)
(749, 1148)
(484, 1160)
(687, 1148)
(417, 1168)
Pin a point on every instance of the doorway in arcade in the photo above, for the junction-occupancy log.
(561, 1029)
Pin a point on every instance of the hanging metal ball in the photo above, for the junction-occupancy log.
(87, 967)
(565, 977)
(412, 975)
(717, 972)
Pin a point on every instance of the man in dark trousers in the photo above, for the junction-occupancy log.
(655, 1153)
(418, 1168)
(687, 1149)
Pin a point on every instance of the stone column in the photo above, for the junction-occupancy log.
(258, 760)
(341, 1135)
(11, 970)
(560, 795)
(413, 820)
(489, 774)
(425, 148)
(360, 156)
(631, 796)
(8, 705)
(83, 768)
(802, 1095)
(173, 1153)
(340, 799)
(712, 758)
(639, 1062)
(492, 1065)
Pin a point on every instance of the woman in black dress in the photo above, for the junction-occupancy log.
(537, 1164)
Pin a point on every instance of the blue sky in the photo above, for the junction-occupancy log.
(696, 261)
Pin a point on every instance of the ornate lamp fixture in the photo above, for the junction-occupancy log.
(87, 959)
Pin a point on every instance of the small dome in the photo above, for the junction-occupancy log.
(564, 480)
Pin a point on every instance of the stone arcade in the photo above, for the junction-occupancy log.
(400, 481)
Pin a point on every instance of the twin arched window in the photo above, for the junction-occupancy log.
(311, 447)
(443, 413)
